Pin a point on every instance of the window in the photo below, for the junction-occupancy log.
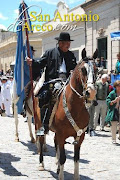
(102, 50)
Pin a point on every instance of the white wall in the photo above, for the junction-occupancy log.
(108, 11)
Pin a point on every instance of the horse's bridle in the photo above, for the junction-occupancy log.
(67, 112)
(83, 85)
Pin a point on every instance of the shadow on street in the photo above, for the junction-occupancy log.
(6, 160)
(68, 176)
(31, 147)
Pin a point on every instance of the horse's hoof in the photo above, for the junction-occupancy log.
(17, 140)
(32, 140)
(41, 167)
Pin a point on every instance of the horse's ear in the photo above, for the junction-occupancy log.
(83, 54)
(95, 55)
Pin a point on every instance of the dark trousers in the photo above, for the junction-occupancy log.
(45, 114)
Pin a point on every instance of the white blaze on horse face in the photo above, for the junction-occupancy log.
(90, 75)
(89, 68)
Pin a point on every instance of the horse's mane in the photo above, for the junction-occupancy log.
(76, 72)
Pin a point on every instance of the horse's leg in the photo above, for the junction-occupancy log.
(30, 127)
(62, 158)
(44, 145)
(57, 154)
(38, 144)
(16, 123)
(41, 166)
(76, 161)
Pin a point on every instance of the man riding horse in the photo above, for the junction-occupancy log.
(59, 63)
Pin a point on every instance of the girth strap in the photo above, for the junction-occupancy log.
(71, 120)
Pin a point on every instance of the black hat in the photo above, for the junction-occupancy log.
(64, 36)
(32, 48)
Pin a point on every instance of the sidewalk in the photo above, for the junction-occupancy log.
(99, 158)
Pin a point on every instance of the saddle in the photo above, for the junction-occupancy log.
(46, 95)
(49, 92)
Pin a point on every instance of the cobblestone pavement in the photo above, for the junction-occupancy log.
(100, 159)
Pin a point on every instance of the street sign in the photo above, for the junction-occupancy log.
(114, 78)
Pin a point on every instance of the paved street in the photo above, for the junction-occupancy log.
(100, 159)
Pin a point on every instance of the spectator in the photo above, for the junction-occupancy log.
(9, 72)
(10, 82)
(113, 103)
(91, 111)
(1, 72)
(6, 97)
(117, 66)
(101, 95)
(98, 64)
(110, 87)
(103, 62)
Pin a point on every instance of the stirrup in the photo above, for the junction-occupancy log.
(41, 131)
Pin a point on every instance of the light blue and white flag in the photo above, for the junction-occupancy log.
(21, 70)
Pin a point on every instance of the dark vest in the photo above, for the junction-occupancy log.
(52, 60)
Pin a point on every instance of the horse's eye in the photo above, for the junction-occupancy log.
(84, 71)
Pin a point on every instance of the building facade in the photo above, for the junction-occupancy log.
(91, 34)
(8, 50)
(98, 33)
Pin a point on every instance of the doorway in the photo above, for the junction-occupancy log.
(102, 49)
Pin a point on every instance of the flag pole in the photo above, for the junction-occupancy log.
(30, 69)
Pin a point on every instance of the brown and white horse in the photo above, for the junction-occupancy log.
(71, 116)
(29, 120)
(29, 108)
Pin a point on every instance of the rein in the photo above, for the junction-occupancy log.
(83, 85)
(80, 96)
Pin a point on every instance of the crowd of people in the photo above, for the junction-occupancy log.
(101, 62)
(106, 111)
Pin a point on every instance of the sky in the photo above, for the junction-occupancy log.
(9, 9)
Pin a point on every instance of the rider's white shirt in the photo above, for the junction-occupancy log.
(62, 67)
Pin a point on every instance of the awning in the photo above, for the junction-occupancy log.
(115, 36)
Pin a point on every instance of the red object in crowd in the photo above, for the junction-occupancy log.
(110, 88)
